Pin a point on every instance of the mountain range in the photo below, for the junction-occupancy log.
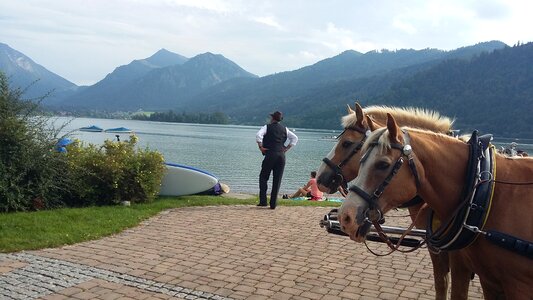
(34, 79)
(482, 86)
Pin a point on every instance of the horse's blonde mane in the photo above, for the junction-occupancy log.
(380, 137)
(404, 116)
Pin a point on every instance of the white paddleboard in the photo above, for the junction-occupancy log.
(182, 180)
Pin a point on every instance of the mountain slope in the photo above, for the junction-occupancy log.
(492, 92)
(330, 83)
(35, 79)
(162, 88)
(106, 89)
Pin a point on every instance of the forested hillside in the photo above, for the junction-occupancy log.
(312, 100)
(492, 92)
(487, 86)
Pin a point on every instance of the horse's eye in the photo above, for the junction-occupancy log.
(347, 144)
(382, 165)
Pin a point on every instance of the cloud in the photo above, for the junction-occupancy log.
(491, 9)
(218, 6)
(84, 40)
(269, 21)
(404, 26)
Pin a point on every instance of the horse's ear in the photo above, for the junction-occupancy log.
(393, 128)
(360, 115)
(350, 110)
(371, 125)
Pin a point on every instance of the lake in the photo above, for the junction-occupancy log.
(227, 151)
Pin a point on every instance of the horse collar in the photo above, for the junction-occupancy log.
(470, 217)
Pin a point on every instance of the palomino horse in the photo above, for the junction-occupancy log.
(458, 181)
(342, 165)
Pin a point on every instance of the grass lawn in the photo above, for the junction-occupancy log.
(58, 227)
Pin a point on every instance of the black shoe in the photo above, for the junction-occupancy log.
(261, 204)
(285, 196)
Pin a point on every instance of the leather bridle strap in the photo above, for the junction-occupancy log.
(407, 151)
(338, 168)
(410, 158)
(371, 200)
(374, 214)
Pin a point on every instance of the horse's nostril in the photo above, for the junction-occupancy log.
(347, 219)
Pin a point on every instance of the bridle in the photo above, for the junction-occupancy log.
(338, 178)
(373, 214)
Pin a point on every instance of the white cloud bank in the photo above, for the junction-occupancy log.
(84, 40)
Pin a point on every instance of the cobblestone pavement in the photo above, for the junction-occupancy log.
(224, 252)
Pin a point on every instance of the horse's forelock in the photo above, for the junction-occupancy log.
(379, 136)
(350, 120)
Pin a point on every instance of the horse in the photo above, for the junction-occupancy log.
(357, 125)
(342, 165)
(449, 174)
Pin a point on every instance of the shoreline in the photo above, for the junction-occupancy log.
(238, 195)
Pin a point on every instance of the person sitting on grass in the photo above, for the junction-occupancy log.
(309, 190)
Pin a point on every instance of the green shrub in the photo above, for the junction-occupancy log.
(33, 175)
(30, 169)
(113, 173)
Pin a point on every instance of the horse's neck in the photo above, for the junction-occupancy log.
(442, 164)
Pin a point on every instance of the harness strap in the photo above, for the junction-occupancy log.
(338, 179)
(333, 166)
(415, 201)
(354, 151)
(410, 156)
(358, 129)
(512, 243)
(372, 199)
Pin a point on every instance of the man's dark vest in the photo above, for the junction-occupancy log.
(275, 137)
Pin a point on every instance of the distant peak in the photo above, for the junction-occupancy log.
(209, 56)
(163, 57)
(162, 51)
(351, 52)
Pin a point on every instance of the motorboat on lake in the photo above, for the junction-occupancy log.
(119, 130)
(92, 128)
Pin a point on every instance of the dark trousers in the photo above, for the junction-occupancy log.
(273, 162)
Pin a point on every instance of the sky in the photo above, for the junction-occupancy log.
(84, 40)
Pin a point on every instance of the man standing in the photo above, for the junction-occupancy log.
(271, 140)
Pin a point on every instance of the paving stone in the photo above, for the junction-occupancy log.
(235, 252)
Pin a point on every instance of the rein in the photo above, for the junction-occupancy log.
(512, 183)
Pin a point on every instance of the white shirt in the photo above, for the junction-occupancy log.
(293, 139)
